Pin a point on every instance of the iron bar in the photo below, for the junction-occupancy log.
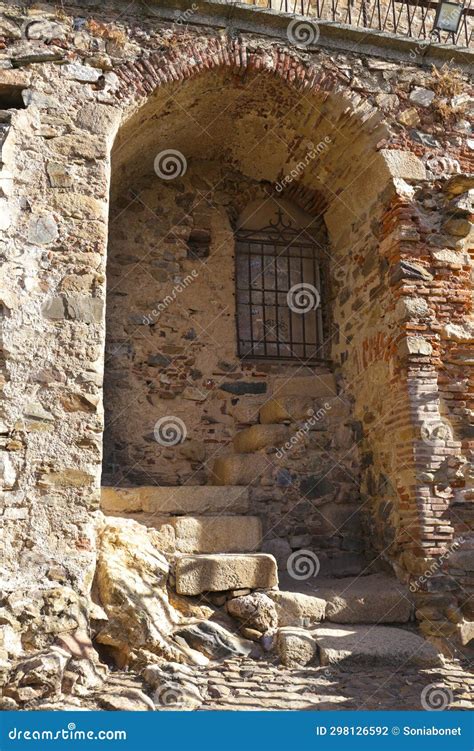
(410, 18)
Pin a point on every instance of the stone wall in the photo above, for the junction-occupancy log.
(171, 355)
(399, 229)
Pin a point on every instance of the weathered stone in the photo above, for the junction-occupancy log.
(409, 117)
(260, 436)
(217, 534)
(186, 499)
(296, 609)
(54, 309)
(82, 73)
(126, 700)
(131, 581)
(239, 469)
(414, 345)
(10, 640)
(286, 409)
(412, 307)
(466, 631)
(42, 230)
(37, 676)
(217, 573)
(423, 97)
(59, 175)
(404, 164)
(175, 687)
(457, 227)
(215, 641)
(74, 478)
(296, 647)
(85, 309)
(368, 599)
(7, 471)
(459, 184)
(369, 646)
(255, 610)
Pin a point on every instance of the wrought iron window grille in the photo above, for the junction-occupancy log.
(279, 293)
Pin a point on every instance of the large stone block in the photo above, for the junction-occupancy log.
(296, 647)
(373, 646)
(403, 164)
(367, 599)
(239, 469)
(218, 573)
(286, 409)
(217, 534)
(296, 609)
(259, 436)
(182, 499)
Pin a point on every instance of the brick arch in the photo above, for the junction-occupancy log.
(141, 77)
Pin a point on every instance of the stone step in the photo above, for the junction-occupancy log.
(239, 469)
(376, 598)
(315, 385)
(217, 534)
(373, 646)
(260, 436)
(181, 499)
(196, 574)
(355, 647)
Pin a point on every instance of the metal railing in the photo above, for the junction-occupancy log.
(411, 18)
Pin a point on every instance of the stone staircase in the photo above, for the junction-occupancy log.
(215, 541)
(215, 546)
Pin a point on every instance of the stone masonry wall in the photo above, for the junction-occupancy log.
(171, 355)
(73, 79)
